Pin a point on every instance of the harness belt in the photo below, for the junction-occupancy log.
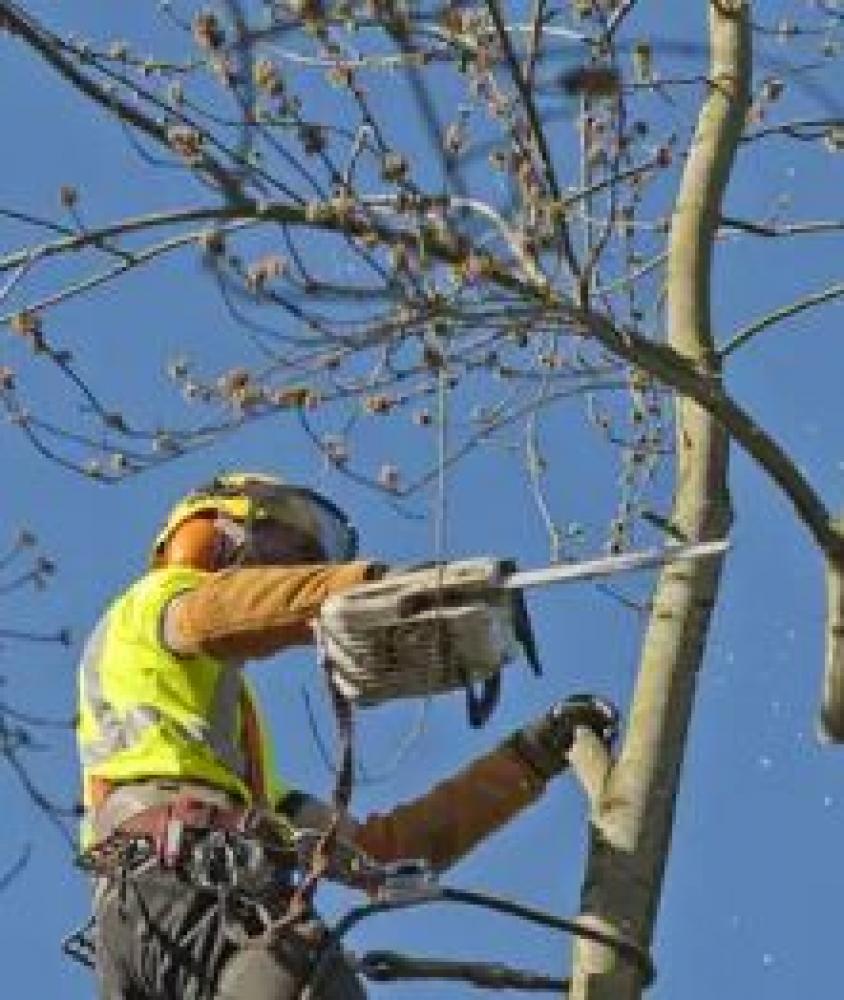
(193, 813)
(215, 842)
(169, 828)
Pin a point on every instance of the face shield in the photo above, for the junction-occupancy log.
(306, 513)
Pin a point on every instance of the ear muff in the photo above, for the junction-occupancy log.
(195, 542)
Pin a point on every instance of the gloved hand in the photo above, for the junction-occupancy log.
(545, 743)
(376, 571)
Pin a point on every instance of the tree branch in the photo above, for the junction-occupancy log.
(47, 46)
(659, 360)
(785, 312)
(536, 127)
(785, 229)
(806, 129)
(617, 18)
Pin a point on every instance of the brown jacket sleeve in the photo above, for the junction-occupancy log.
(446, 823)
(255, 611)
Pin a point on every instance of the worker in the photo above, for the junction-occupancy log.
(174, 754)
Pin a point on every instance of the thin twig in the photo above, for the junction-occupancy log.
(784, 229)
(818, 128)
(12, 873)
(786, 312)
(536, 127)
(618, 16)
(49, 47)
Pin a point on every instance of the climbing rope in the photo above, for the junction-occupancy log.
(630, 950)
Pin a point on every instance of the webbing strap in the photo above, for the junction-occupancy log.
(321, 859)
(480, 706)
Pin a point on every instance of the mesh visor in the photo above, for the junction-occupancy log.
(306, 512)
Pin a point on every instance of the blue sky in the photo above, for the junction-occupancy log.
(753, 888)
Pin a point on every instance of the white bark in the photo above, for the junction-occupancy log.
(631, 828)
(831, 723)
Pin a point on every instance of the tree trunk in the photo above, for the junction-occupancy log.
(632, 820)
(831, 722)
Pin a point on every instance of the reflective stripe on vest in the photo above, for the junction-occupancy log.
(122, 731)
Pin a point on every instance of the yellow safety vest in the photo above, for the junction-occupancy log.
(145, 712)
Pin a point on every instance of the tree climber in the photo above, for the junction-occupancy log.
(174, 753)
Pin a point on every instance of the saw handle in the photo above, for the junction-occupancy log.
(480, 706)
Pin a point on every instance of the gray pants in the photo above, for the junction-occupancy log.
(159, 938)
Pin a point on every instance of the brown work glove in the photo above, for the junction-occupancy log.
(545, 744)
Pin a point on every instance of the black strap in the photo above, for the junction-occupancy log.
(480, 706)
(80, 945)
(392, 966)
(301, 900)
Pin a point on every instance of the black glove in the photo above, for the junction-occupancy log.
(545, 743)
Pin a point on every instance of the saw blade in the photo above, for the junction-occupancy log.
(627, 562)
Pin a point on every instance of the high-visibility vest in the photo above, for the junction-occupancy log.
(145, 712)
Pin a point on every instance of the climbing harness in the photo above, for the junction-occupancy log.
(246, 868)
(243, 857)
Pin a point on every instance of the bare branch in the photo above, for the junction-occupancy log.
(615, 21)
(536, 127)
(49, 47)
(782, 229)
(806, 129)
(785, 312)
(12, 872)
